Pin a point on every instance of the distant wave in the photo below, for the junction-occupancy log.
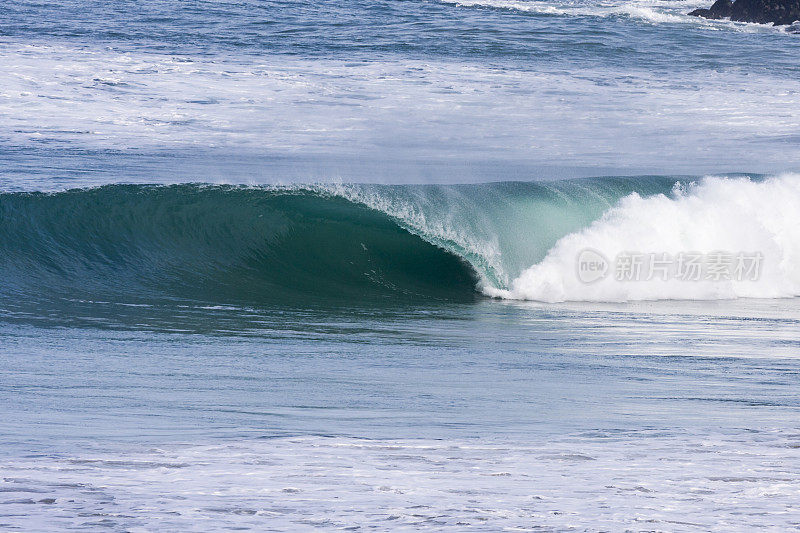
(653, 12)
(360, 243)
(633, 10)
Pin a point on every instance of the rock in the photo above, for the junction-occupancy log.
(720, 10)
(702, 12)
(777, 12)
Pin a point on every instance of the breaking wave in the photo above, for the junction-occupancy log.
(717, 220)
(361, 243)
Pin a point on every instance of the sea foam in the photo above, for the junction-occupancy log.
(651, 12)
(714, 216)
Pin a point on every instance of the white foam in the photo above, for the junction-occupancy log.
(673, 483)
(716, 215)
(652, 12)
(647, 11)
(530, 7)
(411, 110)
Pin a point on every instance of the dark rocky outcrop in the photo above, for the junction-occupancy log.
(720, 10)
(778, 12)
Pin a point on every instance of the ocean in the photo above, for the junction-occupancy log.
(402, 265)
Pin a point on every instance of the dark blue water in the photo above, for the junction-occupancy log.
(647, 36)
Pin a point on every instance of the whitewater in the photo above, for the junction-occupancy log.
(736, 215)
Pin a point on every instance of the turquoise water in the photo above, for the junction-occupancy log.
(289, 266)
